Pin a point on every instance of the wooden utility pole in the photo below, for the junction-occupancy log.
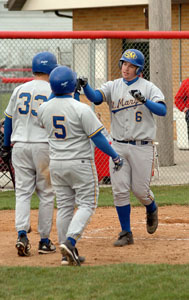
(161, 75)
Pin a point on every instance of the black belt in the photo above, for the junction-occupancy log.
(134, 142)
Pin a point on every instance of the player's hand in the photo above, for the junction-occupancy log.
(78, 87)
(83, 81)
(138, 95)
(5, 153)
(118, 162)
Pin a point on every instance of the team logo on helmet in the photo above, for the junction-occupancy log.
(130, 54)
(44, 62)
(64, 84)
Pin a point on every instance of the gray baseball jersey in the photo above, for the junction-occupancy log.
(130, 120)
(30, 155)
(70, 124)
(23, 107)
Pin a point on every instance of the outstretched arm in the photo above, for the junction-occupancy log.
(102, 143)
(93, 95)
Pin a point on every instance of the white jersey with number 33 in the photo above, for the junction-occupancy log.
(23, 107)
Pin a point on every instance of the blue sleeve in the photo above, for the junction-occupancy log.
(7, 131)
(52, 95)
(76, 96)
(93, 95)
(102, 143)
(158, 108)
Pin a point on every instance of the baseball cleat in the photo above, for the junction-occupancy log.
(125, 238)
(64, 261)
(152, 221)
(23, 246)
(45, 248)
(71, 253)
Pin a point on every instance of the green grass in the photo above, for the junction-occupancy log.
(121, 281)
(4, 99)
(125, 281)
(164, 195)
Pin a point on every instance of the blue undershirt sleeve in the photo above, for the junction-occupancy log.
(77, 96)
(158, 108)
(102, 143)
(7, 131)
(93, 95)
(52, 95)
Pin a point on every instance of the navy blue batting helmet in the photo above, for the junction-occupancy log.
(44, 62)
(135, 57)
(63, 80)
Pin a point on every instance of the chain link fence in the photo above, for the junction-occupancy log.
(97, 59)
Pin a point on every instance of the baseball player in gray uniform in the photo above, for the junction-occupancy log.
(30, 154)
(132, 102)
(70, 125)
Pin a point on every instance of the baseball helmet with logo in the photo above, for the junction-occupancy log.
(63, 80)
(135, 57)
(44, 62)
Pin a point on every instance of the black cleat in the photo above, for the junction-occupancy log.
(71, 253)
(23, 246)
(152, 221)
(125, 238)
(46, 248)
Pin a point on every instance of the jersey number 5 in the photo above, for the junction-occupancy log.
(60, 130)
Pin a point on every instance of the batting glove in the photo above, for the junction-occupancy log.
(83, 81)
(137, 95)
(78, 87)
(5, 153)
(118, 162)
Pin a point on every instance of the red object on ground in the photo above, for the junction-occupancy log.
(102, 164)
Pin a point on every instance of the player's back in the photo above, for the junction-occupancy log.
(69, 124)
(23, 108)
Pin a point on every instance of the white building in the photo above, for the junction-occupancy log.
(20, 52)
(33, 20)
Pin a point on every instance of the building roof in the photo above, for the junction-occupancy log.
(68, 5)
(33, 20)
(52, 5)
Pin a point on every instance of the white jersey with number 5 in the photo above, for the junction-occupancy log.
(70, 125)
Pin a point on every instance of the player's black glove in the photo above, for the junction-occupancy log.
(78, 87)
(5, 153)
(138, 96)
(118, 162)
(83, 81)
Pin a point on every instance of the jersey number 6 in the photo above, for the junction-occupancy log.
(138, 116)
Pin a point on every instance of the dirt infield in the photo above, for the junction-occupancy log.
(169, 244)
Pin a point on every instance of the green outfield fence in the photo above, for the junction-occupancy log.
(95, 55)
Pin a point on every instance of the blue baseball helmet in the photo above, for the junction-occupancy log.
(63, 80)
(135, 57)
(44, 62)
